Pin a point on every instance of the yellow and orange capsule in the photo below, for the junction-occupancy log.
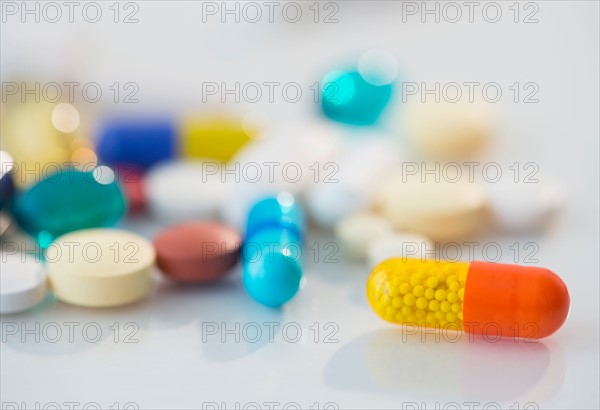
(476, 297)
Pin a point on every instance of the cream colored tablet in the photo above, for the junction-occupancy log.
(100, 267)
(446, 130)
(443, 211)
(395, 245)
(22, 282)
(356, 231)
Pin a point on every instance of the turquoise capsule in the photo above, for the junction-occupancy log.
(347, 97)
(272, 251)
(69, 200)
(272, 266)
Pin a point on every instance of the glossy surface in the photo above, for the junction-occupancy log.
(100, 267)
(22, 282)
(137, 142)
(478, 297)
(197, 251)
(67, 201)
(367, 363)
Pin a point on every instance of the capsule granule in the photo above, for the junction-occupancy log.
(527, 302)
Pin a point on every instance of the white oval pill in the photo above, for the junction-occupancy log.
(22, 282)
(356, 231)
(178, 190)
(443, 211)
(446, 130)
(523, 207)
(405, 244)
(348, 184)
(100, 267)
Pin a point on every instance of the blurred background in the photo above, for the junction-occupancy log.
(197, 66)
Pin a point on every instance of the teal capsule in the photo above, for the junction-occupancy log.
(272, 250)
(272, 262)
(69, 200)
(347, 97)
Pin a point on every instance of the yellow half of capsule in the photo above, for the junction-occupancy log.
(419, 292)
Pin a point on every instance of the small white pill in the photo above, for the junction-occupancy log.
(356, 231)
(523, 207)
(178, 191)
(22, 282)
(100, 267)
(443, 211)
(446, 130)
(410, 245)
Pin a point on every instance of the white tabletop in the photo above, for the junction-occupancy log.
(178, 348)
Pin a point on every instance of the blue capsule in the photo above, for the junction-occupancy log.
(140, 143)
(272, 252)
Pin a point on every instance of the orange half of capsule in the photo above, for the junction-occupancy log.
(478, 297)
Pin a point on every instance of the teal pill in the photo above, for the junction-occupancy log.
(347, 97)
(272, 260)
(67, 201)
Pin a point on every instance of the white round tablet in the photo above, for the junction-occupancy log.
(523, 207)
(179, 190)
(449, 130)
(405, 244)
(356, 231)
(100, 267)
(22, 282)
(444, 211)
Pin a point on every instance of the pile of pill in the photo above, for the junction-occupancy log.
(200, 178)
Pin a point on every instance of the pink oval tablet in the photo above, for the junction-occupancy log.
(197, 251)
